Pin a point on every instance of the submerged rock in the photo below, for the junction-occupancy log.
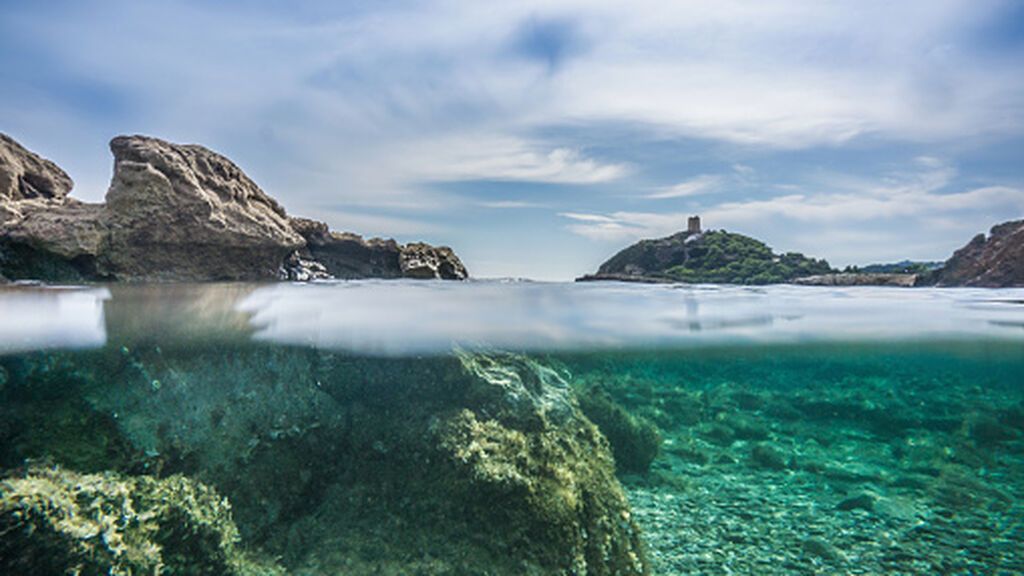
(56, 522)
(467, 463)
(635, 442)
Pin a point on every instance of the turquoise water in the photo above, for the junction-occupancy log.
(448, 428)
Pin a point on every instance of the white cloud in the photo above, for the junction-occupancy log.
(699, 185)
(904, 214)
(509, 204)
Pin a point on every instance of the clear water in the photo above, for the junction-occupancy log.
(796, 429)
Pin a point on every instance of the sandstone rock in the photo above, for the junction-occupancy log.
(179, 213)
(995, 262)
(59, 243)
(183, 212)
(43, 233)
(27, 176)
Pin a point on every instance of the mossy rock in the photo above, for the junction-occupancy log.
(55, 521)
(634, 440)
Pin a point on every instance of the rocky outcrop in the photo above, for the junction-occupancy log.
(27, 179)
(179, 213)
(995, 261)
(859, 279)
(419, 260)
(347, 255)
(186, 213)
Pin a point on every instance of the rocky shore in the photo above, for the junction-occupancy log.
(861, 279)
(179, 213)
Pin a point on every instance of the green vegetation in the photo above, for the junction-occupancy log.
(902, 267)
(727, 258)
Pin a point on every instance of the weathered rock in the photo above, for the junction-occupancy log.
(461, 464)
(56, 521)
(25, 175)
(859, 279)
(419, 260)
(179, 213)
(346, 255)
(182, 212)
(43, 233)
(349, 256)
(996, 261)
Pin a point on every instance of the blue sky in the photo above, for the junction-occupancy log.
(537, 138)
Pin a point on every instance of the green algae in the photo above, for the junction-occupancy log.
(55, 521)
(469, 463)
(635, 441)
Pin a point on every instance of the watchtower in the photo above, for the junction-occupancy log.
(693, 225)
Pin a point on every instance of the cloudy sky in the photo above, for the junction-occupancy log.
(537, 138)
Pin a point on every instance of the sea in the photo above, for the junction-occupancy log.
(336, 428)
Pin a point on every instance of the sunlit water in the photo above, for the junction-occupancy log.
(802, 429)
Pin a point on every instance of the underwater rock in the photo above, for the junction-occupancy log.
(466, 463)
(635, 441)
(863, 501)
(56, 522)
(768, 457)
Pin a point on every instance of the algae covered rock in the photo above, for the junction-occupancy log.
(634, 440)
(56, 521)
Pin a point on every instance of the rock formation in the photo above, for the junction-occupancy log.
(996, 261)
(179, 213)
(57, 521)
(332, 463)
(859, 279)
(347, 255)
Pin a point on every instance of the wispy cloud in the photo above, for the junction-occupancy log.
(699, 185)
(911, 204)
(509, 204)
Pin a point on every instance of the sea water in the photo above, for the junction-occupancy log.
(769, 430)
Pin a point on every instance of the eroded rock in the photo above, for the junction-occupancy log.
(179, 213)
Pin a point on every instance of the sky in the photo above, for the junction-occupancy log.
(538, 138)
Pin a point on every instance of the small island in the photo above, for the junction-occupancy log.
(696, 256)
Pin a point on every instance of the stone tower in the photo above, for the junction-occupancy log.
(693, 225)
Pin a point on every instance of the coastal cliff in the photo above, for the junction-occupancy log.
(993, 261)
(179, 213)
